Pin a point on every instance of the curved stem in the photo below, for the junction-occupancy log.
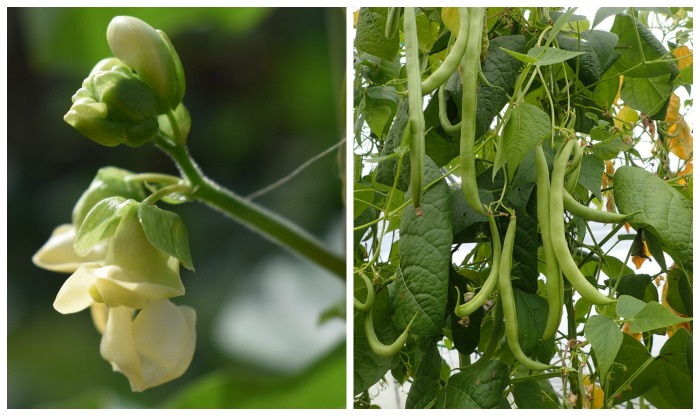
(255, 217)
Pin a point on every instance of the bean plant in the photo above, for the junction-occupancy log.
(489, 144)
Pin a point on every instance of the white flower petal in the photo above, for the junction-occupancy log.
(99, 313)
(74, 295)
(118, 346)
(58, 254)
(165, 339)
(119, 288)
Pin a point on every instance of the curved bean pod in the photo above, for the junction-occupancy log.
(509, 312)
(377, 346)
(415, 105)
(591, 214)
(558, 232)
(554, 286)
(470, 66)
(491, 281)
(573, 169)
(451, 129)
(364, 307)
(451, 62)
(392, 22)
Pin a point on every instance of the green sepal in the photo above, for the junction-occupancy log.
(166, 231)
(101, 222)
(182, 118)
(109, 181)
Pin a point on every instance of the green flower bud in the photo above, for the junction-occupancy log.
(150, 53)
(114, 107)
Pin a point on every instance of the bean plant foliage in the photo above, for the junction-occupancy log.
(488, 144)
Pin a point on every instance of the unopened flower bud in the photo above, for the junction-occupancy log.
(114, 107)
(150, 53)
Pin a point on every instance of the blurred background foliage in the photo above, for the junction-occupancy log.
(264, 92)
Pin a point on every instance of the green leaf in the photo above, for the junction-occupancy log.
(549, 56)
(368, 368)
(628, 306)
(526, 127)
(605, 12)
(640, 51)
(529, 394)
(531, 312)
(674, 380)
(631, 357)
(426, 380)
(653, 316)
(605, 337)
(591, 174)
(424, 251)
(610, 150)
(480, 388)
(166, 231)
(427, 32)
(648, 95)
(464, 337)
(101, 222)
(520, 56)
(369, 36)
(659, 208)
(524, 272)
(680, 293)
(363, 196)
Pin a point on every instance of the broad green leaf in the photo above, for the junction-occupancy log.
(605, 337)
(524, 272)
(628, 306)
(673, 374)
(520, 56)
(606, 91)
(591, 174)
(531, 310)
(529, 394)
(377, 115)
(605, 12)
(631, 357)
(559, 24)
(101, 222)
(424, 251)
(480, 388)
(610, 150)
(167, 232)
(370, 214)
(526, 127)
(549, 56)
(648, 95)
(368, 368)
(379, 71)
(464, 337)
(369, 36)
(640, 51)
(638, 286)
(427, 32)
(426, 380)
(680, 293)
(658, 208)
(654, 316)
(386, 170)
(362, 196)
(598, 50)
(654, 246)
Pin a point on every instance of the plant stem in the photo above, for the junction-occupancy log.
(277, 229)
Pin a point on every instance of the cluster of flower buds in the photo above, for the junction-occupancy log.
(124, 256)
(120, 100)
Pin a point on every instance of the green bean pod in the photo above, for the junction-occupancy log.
(573, 169)
(591, 214)
(377, 346)
(558, 232)
(491, 281)
(369, 300)
(470, 67)
(451, 129)
(392, 22)
(451, 62)
(509, 312)
(415, 105)
(554, 287)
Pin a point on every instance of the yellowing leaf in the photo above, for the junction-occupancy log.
(688, 169)
(626, 329)
(626, 118)
(355, 16)
(680, 140)
(595, 397)
(450, 17)
(684, 55)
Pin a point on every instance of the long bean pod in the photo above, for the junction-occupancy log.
(591, 214)
(505, 289)
(491, 281)
(558, 232)
(451, 129)
(376, 345)
(369, 300)
(451, 62)
(470, 67)
(554, 287)
(415, 105)
(392, 22)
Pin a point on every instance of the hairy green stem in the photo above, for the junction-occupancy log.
(257, 218)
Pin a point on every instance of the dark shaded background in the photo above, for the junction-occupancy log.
(263, 90)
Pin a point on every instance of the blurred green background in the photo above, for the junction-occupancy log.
(264, 92)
